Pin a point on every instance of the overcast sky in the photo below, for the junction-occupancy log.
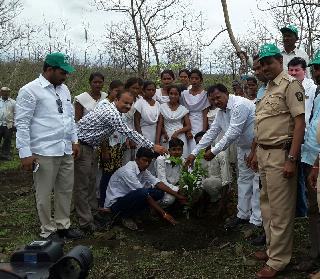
(79, 12)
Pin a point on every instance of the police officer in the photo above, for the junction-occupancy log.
(279, 131)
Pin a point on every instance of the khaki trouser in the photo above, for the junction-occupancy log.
(278, 205)
(55, 173)
(85, 199)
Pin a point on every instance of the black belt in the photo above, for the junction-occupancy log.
(85, 143)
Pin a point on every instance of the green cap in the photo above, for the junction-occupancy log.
(316, 59)
(290, 28)
(268, 50)
(60, 60)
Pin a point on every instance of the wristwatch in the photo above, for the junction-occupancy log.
(292, 158)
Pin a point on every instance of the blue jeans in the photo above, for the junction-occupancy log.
(103, 186)
(135, 201)
(302, 206)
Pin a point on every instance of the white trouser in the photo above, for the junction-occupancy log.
(248, 190)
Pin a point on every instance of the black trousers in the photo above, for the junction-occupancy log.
(5, 140)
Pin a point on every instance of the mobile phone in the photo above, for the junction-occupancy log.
(35, 166)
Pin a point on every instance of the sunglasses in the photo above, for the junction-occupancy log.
(59, 103)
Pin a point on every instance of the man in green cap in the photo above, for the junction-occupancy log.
(47, 142)
(310, 154)
(290, 37)
(279, 130)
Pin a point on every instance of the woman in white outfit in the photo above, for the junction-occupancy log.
(174, 120)
(184, 79)
(147, 114)
(196, 101)
(167, 78)
(134, 86)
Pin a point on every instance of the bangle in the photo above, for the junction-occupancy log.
(315, 167)
(164, 215)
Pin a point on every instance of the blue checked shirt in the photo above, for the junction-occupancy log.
(100, 123)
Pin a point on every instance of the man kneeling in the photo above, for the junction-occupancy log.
(132, 189)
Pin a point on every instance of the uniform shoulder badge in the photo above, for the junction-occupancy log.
(299, 96)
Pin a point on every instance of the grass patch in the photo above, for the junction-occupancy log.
(136, 255)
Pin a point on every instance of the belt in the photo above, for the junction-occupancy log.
(266, 147)
(85, 143)
(285, 146)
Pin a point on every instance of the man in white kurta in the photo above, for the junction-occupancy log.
(236, 119)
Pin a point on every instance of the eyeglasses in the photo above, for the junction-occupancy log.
(59, 103)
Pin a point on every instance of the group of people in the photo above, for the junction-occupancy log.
(7, 106)
(122, 152)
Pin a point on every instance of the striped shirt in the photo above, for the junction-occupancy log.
(100, 123)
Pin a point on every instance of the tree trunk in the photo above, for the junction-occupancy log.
(138, 40)
(152, 42)
(231, 36)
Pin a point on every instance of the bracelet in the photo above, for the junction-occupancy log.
(164, 215)
(315, 167)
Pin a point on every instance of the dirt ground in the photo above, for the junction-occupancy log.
(197, 248)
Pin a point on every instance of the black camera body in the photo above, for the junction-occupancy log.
(45, 259)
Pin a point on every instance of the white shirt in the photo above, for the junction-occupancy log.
(7, 108)
(41, 129)
(310, 90)
(295, 53)
(237, 123)
(162, 99)
(218, 168)
(167, 173)
(126, 179)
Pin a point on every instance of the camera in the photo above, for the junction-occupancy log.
(45, 259)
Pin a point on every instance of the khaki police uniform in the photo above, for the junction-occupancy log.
(275, 113)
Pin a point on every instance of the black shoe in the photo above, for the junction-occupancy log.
(70, 234)
(54, 237)
(259, 240)
(235, 222)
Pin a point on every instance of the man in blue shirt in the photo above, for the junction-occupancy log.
(309, 154)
